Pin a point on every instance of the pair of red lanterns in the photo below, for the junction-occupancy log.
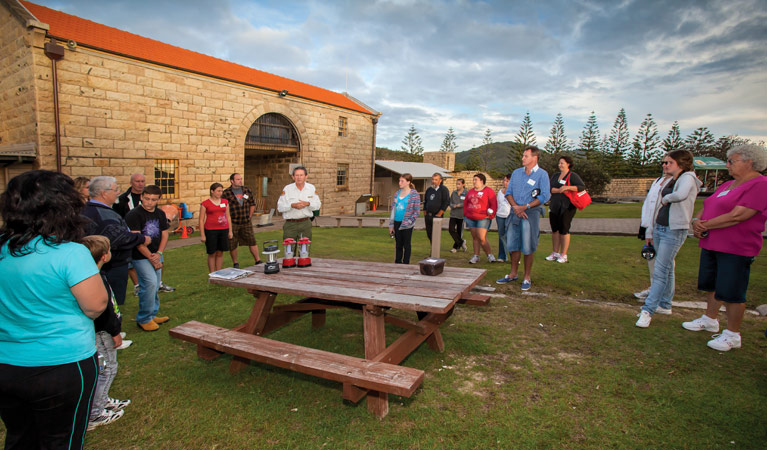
(290, 246)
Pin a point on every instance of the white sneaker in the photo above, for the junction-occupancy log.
(452, 250)
(642, 294)
(474, 259)
(662, 310)
(553, 256)
(562, 259)
(106, 417)
(702, 323)
(114, 404)
(644, 319)
(123, 334)
(126, 343)
(491, 258)
(725, 341)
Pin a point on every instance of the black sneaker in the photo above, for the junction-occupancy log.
(236, 265)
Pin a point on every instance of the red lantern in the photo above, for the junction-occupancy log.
(303, 252)
(289, 260)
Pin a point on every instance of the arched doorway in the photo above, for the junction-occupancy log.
(271, 145)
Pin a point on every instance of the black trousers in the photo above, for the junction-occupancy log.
(455, 228)
(118, 281)
(402, 241)
(429, 219)
(48, 406)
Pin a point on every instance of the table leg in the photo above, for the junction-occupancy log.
(375, 343)
(255, 324)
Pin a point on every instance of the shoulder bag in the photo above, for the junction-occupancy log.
(579, 199)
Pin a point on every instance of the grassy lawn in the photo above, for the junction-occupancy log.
(529, 371)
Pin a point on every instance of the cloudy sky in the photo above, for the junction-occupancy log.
(475, 65)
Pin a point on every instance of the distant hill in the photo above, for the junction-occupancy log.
(497, 156)
(385, 154)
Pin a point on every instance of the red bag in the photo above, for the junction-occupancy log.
(579, 199)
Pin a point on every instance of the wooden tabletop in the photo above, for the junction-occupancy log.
(399, 286)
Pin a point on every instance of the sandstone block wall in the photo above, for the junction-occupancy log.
(446, 160)
(18, 103)
(119, 115)
(628, 187)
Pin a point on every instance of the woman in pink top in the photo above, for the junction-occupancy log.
(478, 212)
(730, 227)
(216, 226)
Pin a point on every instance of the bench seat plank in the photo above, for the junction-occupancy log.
(376, 376)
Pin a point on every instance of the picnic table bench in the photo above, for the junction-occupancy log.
(368, 287)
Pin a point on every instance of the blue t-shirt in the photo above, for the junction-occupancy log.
(41, 323)
(400, 207)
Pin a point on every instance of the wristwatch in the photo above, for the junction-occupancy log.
(527, 206)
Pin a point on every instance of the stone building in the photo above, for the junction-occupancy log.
(94, 100)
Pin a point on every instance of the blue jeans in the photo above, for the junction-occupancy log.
(667, 243)
(148, 284)
(502, 224)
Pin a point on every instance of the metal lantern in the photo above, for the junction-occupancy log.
(271, 250)
(303, 252)
(289, 248)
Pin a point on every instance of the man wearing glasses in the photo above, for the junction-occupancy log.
(107, 222)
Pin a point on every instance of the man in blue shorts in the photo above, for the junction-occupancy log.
(528, 190)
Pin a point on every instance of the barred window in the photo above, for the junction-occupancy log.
(342, 177)
(166, 176)
(342, 126)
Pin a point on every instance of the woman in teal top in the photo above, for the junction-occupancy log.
(48, 364)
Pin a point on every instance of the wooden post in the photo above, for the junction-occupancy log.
(375, 343)
(436, 237)
(255, 324)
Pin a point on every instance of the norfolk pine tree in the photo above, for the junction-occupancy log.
(590, 142)
(557, 142)
(700, 142)
(412, 142)
(524, 138)
(449, 144)
(618, 143)
(674, 139)
(645, 145)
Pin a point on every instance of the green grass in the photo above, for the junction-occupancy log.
(528, 371)
(632, 210)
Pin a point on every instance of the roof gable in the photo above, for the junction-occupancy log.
(101, 37)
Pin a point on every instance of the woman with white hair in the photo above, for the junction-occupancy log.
(730, 227)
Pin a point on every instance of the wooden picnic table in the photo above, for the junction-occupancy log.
(370, 287)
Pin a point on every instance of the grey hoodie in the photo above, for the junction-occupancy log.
(682, 201)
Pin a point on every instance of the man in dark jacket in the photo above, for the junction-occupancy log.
(132, 197)
(436, 201)
(106, 222)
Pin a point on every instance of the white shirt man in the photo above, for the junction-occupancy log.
(297, 204)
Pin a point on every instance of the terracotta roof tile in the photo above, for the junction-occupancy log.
(92, 34)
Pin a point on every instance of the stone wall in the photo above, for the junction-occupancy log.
(119, 115)
(17, 80)
(468, 176)
(627, 188)
(446, 160)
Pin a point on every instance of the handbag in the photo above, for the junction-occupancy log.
(579, 199)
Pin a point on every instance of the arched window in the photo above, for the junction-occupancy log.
(272, 131)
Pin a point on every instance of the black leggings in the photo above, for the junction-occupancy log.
(456, 230)
(402, 239)
(47, 406)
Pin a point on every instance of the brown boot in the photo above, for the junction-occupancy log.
(149, 326)
(158, 320)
